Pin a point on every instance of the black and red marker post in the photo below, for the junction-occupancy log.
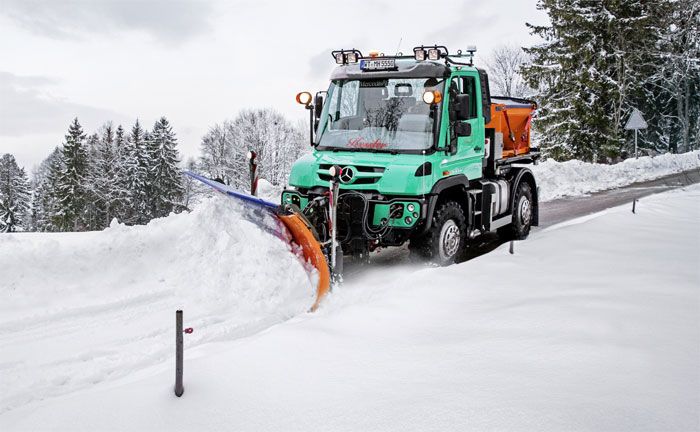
(179, 352)
(253, 172)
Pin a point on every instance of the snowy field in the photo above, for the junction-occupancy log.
(592, 325)
(80, 309)
(576, 178)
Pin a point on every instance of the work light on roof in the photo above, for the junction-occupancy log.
(434, 52)
(343, 57)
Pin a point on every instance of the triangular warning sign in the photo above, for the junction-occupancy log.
(636, 121)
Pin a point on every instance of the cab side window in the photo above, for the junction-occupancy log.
(469, 87)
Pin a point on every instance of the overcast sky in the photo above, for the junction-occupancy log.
(200, 62)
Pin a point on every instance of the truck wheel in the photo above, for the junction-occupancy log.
(519, 229)
(446, 237)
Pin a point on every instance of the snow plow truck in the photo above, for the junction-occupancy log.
(409, 149)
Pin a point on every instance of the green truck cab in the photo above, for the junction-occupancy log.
(405, 140)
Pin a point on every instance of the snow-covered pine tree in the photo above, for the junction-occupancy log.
(121, 183)
(94, 207)
(71, 191)
(15, 196)
(600, 60)
(569, 70)
(165, 178)
(103, 186)
(135, 172)
(44, 197)
(674, 85)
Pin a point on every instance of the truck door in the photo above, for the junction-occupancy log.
(470, 149)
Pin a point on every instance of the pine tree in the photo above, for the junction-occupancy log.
(103, 185)
(121, 184)
(44, 198)
(135, 164)
(94, 206)
(166, 188)
(15, 196)
(71, 191)
(674, 85)
(600, 60)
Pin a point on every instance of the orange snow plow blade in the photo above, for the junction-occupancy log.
(312, 253)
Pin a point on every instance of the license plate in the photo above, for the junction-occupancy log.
(377, 64)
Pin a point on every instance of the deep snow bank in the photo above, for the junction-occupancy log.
(591, 325)
(82, 308)
(575, 178)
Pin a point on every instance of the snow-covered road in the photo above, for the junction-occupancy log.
(593, 324)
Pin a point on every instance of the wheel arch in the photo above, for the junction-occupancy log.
(525, 175)
(454, 187)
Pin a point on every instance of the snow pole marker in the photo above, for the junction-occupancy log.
(179, 351)
(512, 247)
(634, 206)
(179, 389)
(253, 165)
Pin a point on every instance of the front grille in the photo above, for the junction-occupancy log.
(359, 169)
(365, 169)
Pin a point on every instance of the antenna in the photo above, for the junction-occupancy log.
(398, 47)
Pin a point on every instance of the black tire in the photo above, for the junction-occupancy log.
(523, 207)
(446, 238)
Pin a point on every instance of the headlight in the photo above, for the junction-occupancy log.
(411, 207)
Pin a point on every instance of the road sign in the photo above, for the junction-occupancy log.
(636, 121)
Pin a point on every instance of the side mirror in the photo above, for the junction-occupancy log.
(462, 104)
(463, 129)
(318, 105)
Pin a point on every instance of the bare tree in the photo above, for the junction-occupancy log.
(277, 142)
(504, 65)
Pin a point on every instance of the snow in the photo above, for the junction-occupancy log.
(269, 192)
(591, 325)
(576, 178)
(83, 308)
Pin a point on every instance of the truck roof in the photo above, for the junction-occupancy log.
(406, 68)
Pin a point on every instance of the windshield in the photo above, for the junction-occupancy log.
(378, 114)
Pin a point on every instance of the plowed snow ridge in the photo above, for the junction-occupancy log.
(100, 305)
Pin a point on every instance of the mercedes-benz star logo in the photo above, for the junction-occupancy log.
(346, 175)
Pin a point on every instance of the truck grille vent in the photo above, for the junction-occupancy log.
(367, 169)
(359, 169)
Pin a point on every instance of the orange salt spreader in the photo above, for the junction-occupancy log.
(511, 119)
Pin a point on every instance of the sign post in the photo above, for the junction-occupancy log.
(636, 122)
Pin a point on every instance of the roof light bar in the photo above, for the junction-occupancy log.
(343, 57)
